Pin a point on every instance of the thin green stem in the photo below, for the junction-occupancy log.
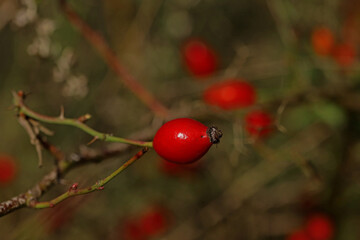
(75, 122)
(73, 191)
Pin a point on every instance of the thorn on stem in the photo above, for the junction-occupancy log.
(21, 94)
(100, 188)
(281, 128)
(92, 140)
(61, 112)
(107, 135)
(84, 118)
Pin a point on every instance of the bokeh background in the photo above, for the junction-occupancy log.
(243, 188)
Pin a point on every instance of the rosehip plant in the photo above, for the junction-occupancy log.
(185, 140)
(244, 176)
(181, 140)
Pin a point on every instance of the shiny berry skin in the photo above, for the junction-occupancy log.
(344, 54)
(7, 169)
(258, 123)
(319, 227)
(230, 94)
(184, 140)
(322, 40)
(298, 235)
(199, 59)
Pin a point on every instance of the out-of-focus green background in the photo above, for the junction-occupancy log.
(242, 189)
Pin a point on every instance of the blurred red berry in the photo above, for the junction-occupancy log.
(131, 230)
(199, 58)
(7, 169)
(258, 123)
(298, 235)
(322, 40)
(230, 94)
(344, 54)
(154, 222)
(319, 227)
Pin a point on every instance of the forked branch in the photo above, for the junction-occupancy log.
(75, 122)
(29, 199)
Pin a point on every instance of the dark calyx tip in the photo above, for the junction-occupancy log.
(214, 134)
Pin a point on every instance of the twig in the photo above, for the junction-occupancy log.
(33, 136)
(99, 43)
(32, 194)
(281, 16)
(30, 197)
(73, 191)
(53, 150)
(76, 122)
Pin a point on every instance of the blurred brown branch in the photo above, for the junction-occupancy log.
(99, 43)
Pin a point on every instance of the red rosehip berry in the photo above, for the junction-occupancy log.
(184, 140)
(344, 54)
(7, 169)
(199, 58)
(298, 235)
(258, 123)
(322, 40)
(154, 222)
(319, 227)
(230, 94)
